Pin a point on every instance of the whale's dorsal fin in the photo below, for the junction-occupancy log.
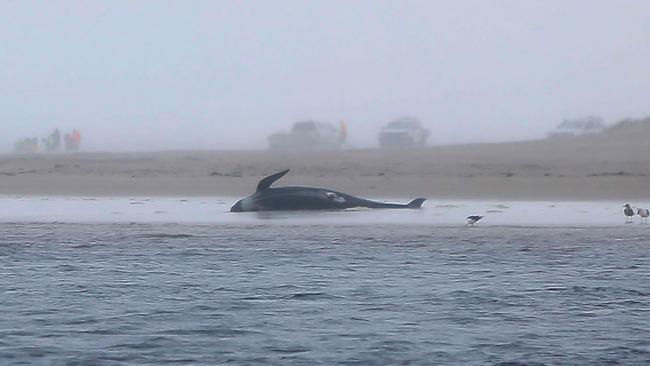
(266, 182)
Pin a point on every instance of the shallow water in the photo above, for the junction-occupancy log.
(215, 211)
(286, 292)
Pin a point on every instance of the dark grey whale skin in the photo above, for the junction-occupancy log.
(306, 198)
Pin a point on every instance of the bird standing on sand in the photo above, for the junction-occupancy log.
(644, 213)
(471, 220)
(629, 212)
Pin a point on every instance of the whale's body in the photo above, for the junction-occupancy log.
(306, 198)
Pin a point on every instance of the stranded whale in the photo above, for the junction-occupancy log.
(306, 198)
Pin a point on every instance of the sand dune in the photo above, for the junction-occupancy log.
(601, 167)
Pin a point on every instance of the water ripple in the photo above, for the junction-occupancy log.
(131, 294)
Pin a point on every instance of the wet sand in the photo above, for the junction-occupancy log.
(591, 168)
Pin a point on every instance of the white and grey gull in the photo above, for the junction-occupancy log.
(629, 212)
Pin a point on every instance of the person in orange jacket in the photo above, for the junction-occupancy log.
(343, 132)
(76, 138)
(73, 140)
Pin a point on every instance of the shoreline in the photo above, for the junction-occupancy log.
(542, 170)
(445, 189)
(217, 212)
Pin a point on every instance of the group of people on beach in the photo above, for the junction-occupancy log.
(52, 143)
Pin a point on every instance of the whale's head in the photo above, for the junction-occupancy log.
(243, 205)
(237, 207)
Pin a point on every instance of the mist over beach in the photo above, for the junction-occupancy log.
(609, 165)
(215, 75)
(214, 81)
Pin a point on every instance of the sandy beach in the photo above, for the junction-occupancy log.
(613, 166)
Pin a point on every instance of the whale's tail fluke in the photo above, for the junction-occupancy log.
(416, 203)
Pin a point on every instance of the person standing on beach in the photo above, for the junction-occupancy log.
(76, 139)
(72, 140)
(55, 140)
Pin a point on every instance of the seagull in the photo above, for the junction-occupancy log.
(629, 212)
(644, 213)
(471, 220)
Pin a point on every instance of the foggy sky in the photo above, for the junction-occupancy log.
(225, 74)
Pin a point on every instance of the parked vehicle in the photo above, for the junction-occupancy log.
(578, 127)
(309, 135)
(403, 133)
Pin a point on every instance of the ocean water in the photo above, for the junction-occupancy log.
(346, 288)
